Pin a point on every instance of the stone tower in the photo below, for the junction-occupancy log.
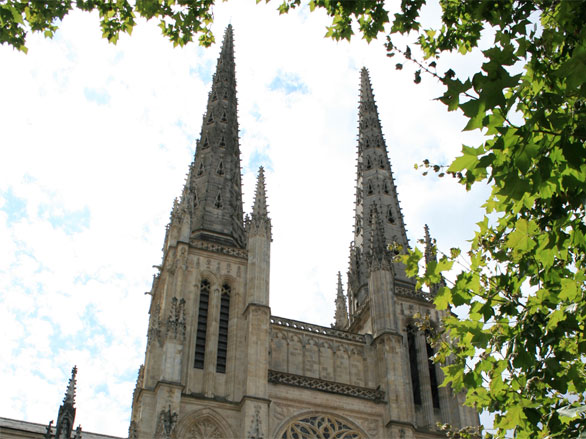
(205, 370)
(219, 365)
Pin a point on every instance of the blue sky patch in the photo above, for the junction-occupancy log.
(14, 207)
(99, 96)
(70, 221)
(203, 70)
(259, 158)
(288, 83)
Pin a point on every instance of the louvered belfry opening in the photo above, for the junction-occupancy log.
(415, 386)
(433, 377)
(202, 323)
(223, 329)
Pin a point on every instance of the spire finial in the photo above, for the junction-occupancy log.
(259, 207)
(429, 250)
(341, 315)
(260, 223)
(70, 393)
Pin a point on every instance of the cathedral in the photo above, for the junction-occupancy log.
(218, 364)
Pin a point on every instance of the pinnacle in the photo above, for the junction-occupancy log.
(70, 393)
(259, 208)
(340, 288)
(429, 251)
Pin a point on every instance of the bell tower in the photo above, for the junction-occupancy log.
(206, 360)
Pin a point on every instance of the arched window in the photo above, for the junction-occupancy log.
(223, 329)
(202, 323)
(415, 387)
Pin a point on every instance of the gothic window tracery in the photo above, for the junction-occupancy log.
(368, 163)
(210, 118)
(220, 170)
(205, 143)
(223, 117)
(200, 169)
(223, 329)
(202, 323)
(321, 426)
(222, 142)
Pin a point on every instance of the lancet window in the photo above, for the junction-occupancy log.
(202, 323)
(223, 329)
(415, 386)
(432, 377)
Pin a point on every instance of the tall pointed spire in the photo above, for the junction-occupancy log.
(259, 207)
(66, 416)
(212, 196)
(341, 316)
(259, 222)
(70, 393)
(375, 185)
(429, 250)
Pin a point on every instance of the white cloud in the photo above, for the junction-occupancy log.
(74, 294)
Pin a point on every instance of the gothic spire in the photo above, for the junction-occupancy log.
(259, 207)
(429, 251)
(341, 316)
(259, 221)
(431, 256)
(375, 185)
(66, 415)
(213, 194)
(70, 393)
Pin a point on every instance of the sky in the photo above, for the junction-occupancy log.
(95, 143)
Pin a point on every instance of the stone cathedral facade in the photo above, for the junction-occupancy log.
(218, 364)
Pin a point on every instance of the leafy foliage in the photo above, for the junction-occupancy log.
(179, 20)
(520, 353)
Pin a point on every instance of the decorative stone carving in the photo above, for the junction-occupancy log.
(154, 332)
(375, 395)
(217, 248)
(176, 320)
(321, 427)
(132, 433)
(255, 431)
(204, 429)
(302, 326)
(166, 424)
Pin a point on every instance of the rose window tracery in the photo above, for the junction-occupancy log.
(321, 427)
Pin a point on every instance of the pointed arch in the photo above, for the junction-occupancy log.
(203, 424)
(220, 168)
